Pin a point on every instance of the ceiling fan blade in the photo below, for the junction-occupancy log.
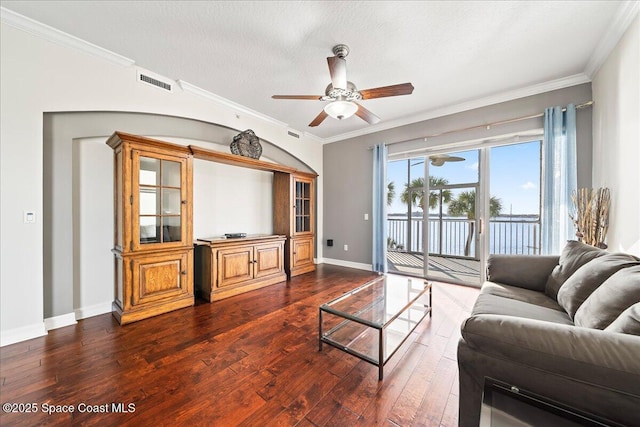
(338, 71)
(445, 158)
(311, 97)
(366, 115)
(393, 90)
(319, 118)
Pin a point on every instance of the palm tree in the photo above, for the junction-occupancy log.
(391, 192)
(415, 191)
(465, 205)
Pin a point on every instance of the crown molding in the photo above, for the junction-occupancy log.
(188, 87)
(61, 38)
(56, 36)
(241, 109)
(536, 89)
(619, 25)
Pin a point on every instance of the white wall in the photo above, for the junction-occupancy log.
(229, 199)
(93, 289)
(616, 139)
(38, 76)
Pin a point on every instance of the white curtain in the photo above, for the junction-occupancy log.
(379, 210)
(560, 177)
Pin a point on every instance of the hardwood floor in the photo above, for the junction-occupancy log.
(250, 360)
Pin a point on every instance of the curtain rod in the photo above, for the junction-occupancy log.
(487, 126)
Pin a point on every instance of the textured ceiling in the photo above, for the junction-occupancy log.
(453, 52)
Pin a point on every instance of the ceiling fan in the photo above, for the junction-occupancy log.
(343, 94)
(441, 159)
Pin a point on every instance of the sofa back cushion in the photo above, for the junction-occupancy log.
(628, 322)
(579, 286)
(605, 305)
(574, 255)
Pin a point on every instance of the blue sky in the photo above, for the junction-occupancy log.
(514, 176)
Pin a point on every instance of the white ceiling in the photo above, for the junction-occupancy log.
(454, 52)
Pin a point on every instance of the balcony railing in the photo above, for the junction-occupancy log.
(448, 236)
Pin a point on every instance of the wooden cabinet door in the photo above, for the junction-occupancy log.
(302, 252)
(234, 265)
(303, 206)
(160, 201)
(158, 277)
(268, 259)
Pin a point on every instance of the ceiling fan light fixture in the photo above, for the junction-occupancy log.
(340, 109)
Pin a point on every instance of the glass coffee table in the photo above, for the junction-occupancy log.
(372, 321)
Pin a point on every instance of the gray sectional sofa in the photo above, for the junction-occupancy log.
(564, 327)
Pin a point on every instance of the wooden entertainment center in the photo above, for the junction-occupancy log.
(153, 241)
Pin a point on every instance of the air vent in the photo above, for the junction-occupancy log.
(295, 135)
(147, 79)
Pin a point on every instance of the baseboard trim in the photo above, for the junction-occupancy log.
(60, 321)
(24, 333)
(93, 310)
(350, 264)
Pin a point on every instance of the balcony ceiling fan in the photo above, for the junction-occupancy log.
(441, 159)
(343, 94)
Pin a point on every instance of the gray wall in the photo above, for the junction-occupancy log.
(348, 164)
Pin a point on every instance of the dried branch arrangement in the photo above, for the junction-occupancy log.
(591, 215)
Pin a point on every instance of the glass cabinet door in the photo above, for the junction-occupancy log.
(160, 200)
(303, 206)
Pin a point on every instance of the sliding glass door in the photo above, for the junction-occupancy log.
(480, 201)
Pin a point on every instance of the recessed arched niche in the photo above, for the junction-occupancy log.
(78, 201)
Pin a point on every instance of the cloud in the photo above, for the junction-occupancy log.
(528, 186)
(473, 166)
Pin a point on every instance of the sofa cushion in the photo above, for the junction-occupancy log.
(628, 322)
(615, 295)
(498, 305)
(574, 255)
(523, 271)
(520, 294)
(579, 286)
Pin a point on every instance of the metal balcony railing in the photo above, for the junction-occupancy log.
(448, 236)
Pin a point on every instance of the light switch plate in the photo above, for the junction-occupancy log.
(29, 217)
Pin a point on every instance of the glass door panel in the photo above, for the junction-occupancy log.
(149, 201)
(302, 207)
(171, 229)
(405, 207)
(149, 171)
(514, 228)
(170, 174)
(171, 201)
(453, 220)
(149, 227)
(160, 200)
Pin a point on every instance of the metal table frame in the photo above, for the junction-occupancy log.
(324, 337)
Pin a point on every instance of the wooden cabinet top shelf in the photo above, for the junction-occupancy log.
(251, 238)
(233, 159)
(210, 155)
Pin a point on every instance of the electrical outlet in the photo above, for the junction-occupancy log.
(366, 217)
(346, 247)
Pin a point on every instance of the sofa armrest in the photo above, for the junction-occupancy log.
(591, 356)
(524, 271)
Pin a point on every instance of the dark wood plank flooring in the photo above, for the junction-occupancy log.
(250, 360)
